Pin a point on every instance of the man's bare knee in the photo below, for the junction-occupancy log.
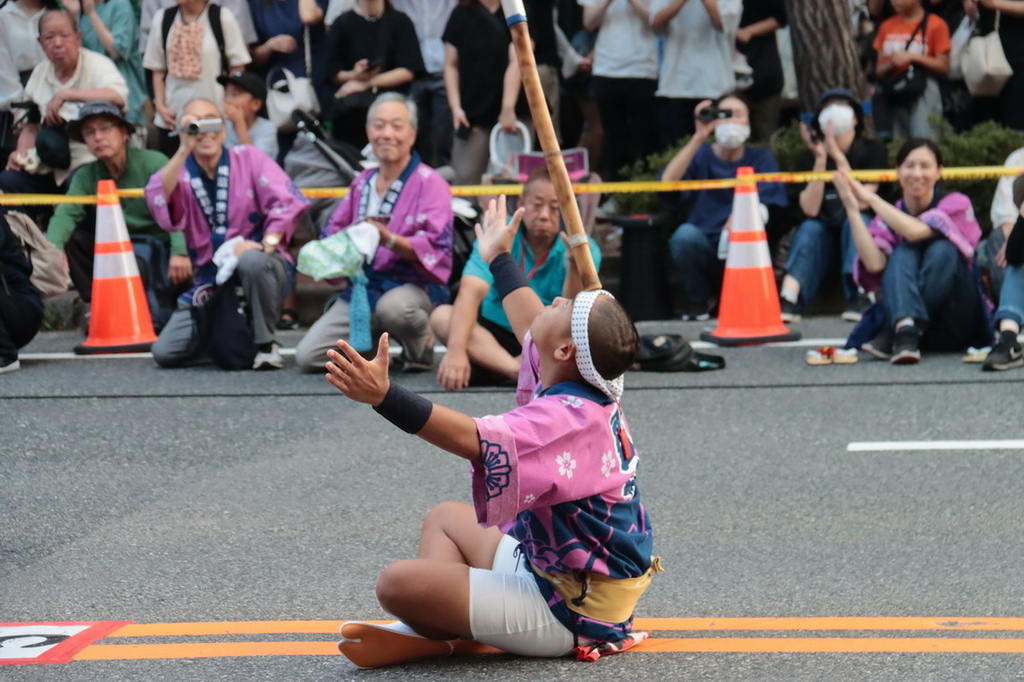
(394, 587)
(446, 514)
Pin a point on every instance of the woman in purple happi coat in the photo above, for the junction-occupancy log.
(919, 255)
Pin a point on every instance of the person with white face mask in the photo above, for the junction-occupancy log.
(694, 245)
(822, 241)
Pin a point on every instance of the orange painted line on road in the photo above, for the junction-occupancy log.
(815, 645)
(829, 623)
(655, 624)
(766, 645)
(257, 627)
(126, 652)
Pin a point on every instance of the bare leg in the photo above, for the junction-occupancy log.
(431, 593)
(483, 349)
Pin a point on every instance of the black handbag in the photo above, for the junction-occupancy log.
(223, 329)
(906, 88)
(673, 353)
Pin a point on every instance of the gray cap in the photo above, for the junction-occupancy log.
(97, 107)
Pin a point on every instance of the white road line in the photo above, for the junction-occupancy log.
(897, 446)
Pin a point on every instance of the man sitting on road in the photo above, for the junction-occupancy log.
(106, 132)
(695, 244)
(411, 207)
(237, 204)
(481, 347)
(244, 95)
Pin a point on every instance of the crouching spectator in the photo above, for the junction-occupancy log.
(164, 261)
(920, 254)
(481, 346)
(411, 207)
(695, 243)
(236, 208)
(834, 142)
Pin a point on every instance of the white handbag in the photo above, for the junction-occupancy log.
(984, 64)
(290, 92)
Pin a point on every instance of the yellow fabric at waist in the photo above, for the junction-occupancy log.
(611, 600)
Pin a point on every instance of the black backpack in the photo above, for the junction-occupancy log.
(215, 26)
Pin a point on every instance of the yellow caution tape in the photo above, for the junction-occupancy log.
(967, 173)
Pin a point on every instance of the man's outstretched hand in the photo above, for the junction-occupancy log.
(362, 380)
(495, 236)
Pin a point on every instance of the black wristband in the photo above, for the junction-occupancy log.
(507, 275)
(407, 410)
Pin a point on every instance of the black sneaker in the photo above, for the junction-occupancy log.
(905, 346)
(1006, 354)
(790, 311)
(855, 309)
(880, 346)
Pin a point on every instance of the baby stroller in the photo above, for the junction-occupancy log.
(315, 160)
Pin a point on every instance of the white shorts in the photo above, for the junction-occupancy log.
(507, 610)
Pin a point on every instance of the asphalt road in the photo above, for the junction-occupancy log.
(136, 494)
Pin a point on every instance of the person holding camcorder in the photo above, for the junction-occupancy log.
(238, 210)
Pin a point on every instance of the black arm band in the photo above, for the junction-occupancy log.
(507, 275)
(407, 410)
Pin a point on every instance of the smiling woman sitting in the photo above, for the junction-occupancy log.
(919, 254)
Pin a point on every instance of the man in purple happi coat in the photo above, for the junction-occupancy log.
(238, 211)
(410, 205)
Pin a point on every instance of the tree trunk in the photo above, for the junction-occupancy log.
(824, 51)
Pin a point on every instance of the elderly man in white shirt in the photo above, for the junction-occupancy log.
(70, 76)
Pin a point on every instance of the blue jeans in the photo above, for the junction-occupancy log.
(696, 258)
(1011, 295)
(813, 254)
(931, 283)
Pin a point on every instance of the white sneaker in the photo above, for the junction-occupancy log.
(10, 367)
(270, 360)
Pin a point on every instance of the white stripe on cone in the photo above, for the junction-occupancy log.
(115, 265)
(749, 255)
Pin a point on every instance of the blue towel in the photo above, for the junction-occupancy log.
(359, 315)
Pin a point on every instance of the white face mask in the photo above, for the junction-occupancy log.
(841, 117)
(732, 135)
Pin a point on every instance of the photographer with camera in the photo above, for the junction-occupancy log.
(835, 141)
(238, 211)
(695, 245)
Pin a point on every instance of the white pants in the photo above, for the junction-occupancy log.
(507, 610)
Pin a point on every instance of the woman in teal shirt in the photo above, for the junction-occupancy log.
(111, 28)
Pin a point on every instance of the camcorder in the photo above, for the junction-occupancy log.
(203, 126)
(709, 114)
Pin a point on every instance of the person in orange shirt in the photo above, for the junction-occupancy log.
(913, 39)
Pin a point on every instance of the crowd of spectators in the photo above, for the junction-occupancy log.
(623, 78)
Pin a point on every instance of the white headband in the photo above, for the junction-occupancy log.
(581, 306)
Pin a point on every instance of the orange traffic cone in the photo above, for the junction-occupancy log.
(750, 311)
(120, 320)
